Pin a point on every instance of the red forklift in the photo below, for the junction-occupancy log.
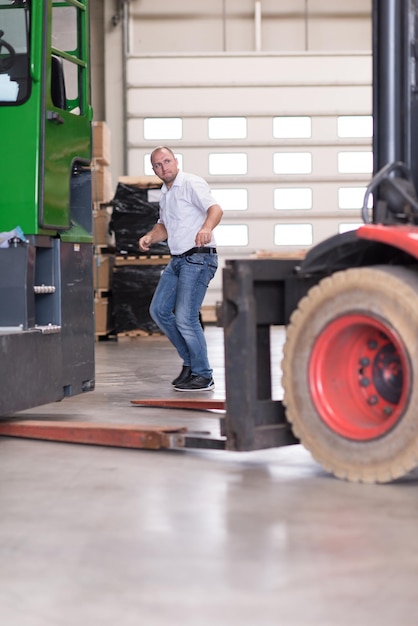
(350, 307)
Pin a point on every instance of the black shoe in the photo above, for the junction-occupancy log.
(184, 375)
(196, 383)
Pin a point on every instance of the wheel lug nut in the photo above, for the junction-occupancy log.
(365, 382)
(373, 400)
(372, 344)
(388, 410)
(364, 361)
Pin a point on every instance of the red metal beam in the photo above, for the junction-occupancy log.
(121, 436)
(182, 403)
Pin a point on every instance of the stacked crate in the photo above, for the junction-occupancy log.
(135, 209)
(104, 257)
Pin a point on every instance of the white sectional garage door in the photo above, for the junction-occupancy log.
(283, 140)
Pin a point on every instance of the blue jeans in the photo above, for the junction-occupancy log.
(176, 304)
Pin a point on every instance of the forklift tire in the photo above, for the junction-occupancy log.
(349, 367)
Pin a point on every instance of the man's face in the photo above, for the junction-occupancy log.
(165, 166)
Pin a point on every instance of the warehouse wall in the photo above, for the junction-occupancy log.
(231, 26)
(185, 65)
(227, 26)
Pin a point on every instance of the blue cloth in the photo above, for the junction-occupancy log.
(176, 304)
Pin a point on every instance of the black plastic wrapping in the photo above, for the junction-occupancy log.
(132, 217)
(132, 290)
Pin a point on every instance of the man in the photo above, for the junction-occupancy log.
(188, 215)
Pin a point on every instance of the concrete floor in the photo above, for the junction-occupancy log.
(113, 537)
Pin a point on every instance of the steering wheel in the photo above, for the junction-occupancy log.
(6, 62)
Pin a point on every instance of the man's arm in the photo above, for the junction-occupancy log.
(155, 235)
(213, 217)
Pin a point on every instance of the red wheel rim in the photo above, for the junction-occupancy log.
(359, 377)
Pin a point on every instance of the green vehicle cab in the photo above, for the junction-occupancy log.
(46, 252)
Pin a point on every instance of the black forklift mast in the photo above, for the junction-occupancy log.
(395, 95)
(395, 112)
(261, 293)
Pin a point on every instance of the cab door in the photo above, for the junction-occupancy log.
(66, 109)
(19, 120)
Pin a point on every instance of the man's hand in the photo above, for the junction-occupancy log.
(157, 234)
(145, 243)
(213, 217)
(203, 237)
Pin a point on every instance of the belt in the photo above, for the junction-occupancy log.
(203, 250)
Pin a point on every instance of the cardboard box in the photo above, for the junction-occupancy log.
(141, 182)
(101, 143)
(103, 271)
(102, 188)
(102, 316)
(101, 220)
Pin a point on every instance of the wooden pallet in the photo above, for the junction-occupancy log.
(102, 293)
(153, 259)
(104, 249)
(208, 313)
(105, 336)
(282, 254)
(132, 334)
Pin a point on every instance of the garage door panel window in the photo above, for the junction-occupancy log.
(293, 198)
(345, 228)
(353, 197)
(163, 128)
(293, 234)
(355, 126)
